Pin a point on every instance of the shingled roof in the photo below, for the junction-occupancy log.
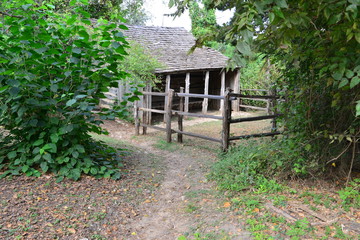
(171, 45)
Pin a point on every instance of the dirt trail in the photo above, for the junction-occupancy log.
(185, 203)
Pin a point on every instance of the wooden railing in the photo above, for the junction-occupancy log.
(226, 117)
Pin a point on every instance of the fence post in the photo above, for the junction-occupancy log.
(180, 117)
(273, 92)
(226, 113)
(145, 113)
(168, 113)
(136, 116)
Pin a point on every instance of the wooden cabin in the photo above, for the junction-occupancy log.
(202, 71)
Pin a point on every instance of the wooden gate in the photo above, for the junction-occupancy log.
(144, 120)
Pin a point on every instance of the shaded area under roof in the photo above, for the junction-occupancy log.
(171, 45)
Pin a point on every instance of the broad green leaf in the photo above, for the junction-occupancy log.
(281, 3)
(11, 155)
(3, 89)
(354, 81)
(337, 75)
(38, 142)
(343, 82)
(357, 37)
(25, 168)
(54, 138)
(44, 166)
(349, 73)
(70, 102)
(358, 109)
(76, 50)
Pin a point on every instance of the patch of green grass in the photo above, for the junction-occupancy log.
(163, 145)
(190, 208)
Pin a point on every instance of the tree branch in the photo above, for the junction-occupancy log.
(7, 14)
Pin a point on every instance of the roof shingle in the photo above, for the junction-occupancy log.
(171, 45)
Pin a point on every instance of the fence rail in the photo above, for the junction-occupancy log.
(226, 117)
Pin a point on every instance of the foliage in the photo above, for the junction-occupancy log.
(255, 164)
(140, 65)
(53, 71)
(116, 10)
(350, 195)
(203, 21)
(317, 42)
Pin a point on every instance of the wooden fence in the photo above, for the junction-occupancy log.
(144, 121)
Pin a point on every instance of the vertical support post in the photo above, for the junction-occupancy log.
(136, 117)
(268, 104)
(167, 88)
(235, 103)
(180, 117)
(168, 114)
(149, 103)
(120, 94)
(222, 90)
(144, 113)
(206, 92)
(187, 90)
(226, 113)
(273, 109)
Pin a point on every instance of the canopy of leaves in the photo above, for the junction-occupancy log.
(318, 42)
(117, 10)
(53, 71)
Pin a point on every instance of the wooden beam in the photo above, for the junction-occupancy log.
(250, 119)
(149, 104)
(235, 103)
(198, 136)
(254, 135)
(168, 115)
(222, 89)
(194, 95)
(226, 112)
(180, 118)
(136, 117)
(206, 92)
(187, 90)
(152, 110)
(197, 115)
(155, 93)
(167, 88)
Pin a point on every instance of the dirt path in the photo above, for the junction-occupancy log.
(185, 203)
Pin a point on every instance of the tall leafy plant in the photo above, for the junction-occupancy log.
(54, 69)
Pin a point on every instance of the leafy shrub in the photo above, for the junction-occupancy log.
(256, 164)
(53, 71)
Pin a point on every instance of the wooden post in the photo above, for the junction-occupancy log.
(226, 113)
(144, 113)
(187, 90)
(167, 88)
(136, 116)
(206, 92)
(149, 103)
(168, 115)
(273, 110)
(180, 117)
(236, 103)
(222, 90)
(120, 94)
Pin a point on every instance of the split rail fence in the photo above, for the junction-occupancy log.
(144, 120)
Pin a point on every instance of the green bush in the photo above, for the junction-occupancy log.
(257, 164)
(54, 69)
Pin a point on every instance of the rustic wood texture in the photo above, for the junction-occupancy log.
(187, 90)
(180, 118)
(168, 115)
(226, 113)
(136, 117)
(222, 90)
(206, 92)
(250, 119)
(198, 136)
